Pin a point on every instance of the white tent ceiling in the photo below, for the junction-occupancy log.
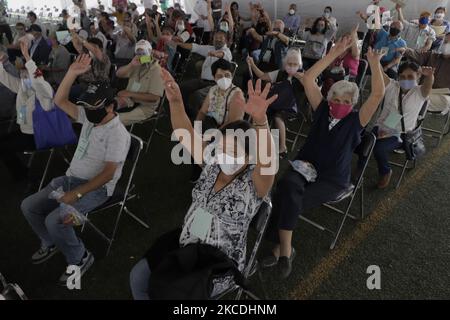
(343, 10)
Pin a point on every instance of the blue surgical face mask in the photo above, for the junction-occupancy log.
(407, 84)
(424, 21)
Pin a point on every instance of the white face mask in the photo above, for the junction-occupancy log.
(439, 16)
(180, 27)
(291, 70)
(224, 27)
(292, 12)
(224, 83)
(327, 14)
(230, 165)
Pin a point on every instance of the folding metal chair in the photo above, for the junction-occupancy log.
(300, 119)
(349, 194)
(361, 79)
(32, 154)
(406, 165)
(444, 129)
(259, 224)
(121, 194)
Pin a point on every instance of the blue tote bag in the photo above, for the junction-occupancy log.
(52, 128)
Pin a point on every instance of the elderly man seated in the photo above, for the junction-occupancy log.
(390, 43)
(145, 86)
(273, 45)
(90, 180)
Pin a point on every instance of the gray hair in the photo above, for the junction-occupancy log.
(344, 87)
(293, 53)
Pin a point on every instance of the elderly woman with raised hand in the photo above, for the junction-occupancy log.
(230, 189)
(287, 83)
(321, 171)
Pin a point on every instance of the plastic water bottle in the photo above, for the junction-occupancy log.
(68, 214)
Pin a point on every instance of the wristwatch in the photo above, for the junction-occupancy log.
(79, 196)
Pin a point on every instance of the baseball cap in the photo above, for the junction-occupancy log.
(143, 45)
(96, 96)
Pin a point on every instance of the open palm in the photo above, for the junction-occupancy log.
(172, 89)
(257, 102)
(81, 65)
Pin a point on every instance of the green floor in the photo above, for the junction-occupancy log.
(406, 234)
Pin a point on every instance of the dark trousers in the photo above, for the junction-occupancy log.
(293, 196)
(187, 89)
(381, 151)
(10, 145)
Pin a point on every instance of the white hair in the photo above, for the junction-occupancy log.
(344, 87)
(293, 53)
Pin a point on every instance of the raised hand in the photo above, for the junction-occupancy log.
(24, 50)
(250, 61)
(427, 71)
(355, 31)
(3, 57)
(374, 56)
(173, 92)
(257, 102)
(341, 46)
(81, 65)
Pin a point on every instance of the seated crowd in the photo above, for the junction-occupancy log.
(118, 70)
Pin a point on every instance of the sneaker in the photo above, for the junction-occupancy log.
(399, 151)
(384, 180)
(43, 254)
(285, 265)
(84, 265)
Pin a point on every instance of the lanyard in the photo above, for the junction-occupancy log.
(210, 197)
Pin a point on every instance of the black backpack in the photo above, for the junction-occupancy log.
(187, 273)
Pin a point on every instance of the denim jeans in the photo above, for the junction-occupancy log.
(43, 214)
(383, 147)
(139, 280)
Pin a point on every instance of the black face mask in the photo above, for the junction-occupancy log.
(95, 116)
(393, 32)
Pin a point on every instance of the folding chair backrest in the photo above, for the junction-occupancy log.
(136, 145)
(368, 140)
(112, 72)
(235, 68)
(175, 62)
(362, 70)
(259, 223)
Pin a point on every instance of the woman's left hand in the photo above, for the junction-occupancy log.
(257, 102)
